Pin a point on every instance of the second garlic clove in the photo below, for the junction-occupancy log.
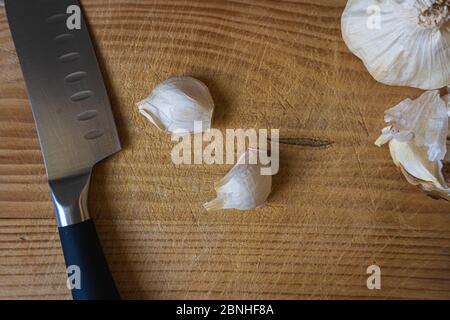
(418, 169)
(244, 187)
(177, 104)
(417, 141)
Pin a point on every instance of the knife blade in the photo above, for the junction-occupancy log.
(70, 105)
(75, 126)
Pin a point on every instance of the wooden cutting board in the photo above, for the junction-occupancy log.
(338, 204)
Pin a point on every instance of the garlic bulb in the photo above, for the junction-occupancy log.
(177, 103)
(423, 121)
(401, 42)
(244, 187)
(417, 140)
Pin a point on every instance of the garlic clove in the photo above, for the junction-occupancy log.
(423, 121)
(243, 187)
(403, 43)
(177, 103)
(417, 138)
(414, 160)
(418, 169)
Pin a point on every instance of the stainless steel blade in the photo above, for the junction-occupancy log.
(70, 104)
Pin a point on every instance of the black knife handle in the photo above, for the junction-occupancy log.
(83, 253)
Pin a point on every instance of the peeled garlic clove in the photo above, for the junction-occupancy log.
(423, 121)
(418, 169)
(244, 187)
(177, 103)
(403, 43)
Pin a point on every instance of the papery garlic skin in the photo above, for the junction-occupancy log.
(397, 43)
(177, 103)
(243, 188)
(423, 121)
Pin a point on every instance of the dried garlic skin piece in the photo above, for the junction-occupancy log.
(243, 187)
(423, 121)
(177, 103)
(401, 42)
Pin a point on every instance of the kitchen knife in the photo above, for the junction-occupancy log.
(75, 126)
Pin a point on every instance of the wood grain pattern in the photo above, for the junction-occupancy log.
(336, 208)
